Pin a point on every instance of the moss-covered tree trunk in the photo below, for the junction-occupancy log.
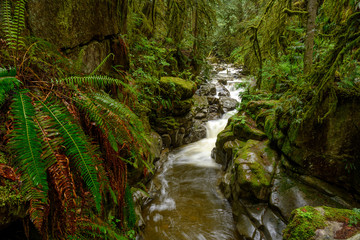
(310, 35)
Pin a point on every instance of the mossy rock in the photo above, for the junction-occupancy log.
(177, 88)
(224, 136)
(182, 107)
(244, 130)
(254, 167)
(166, 124)
(322, 223)
(255, 107)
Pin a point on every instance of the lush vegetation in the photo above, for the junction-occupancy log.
(75, 136)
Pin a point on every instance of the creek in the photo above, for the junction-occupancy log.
(189, 204)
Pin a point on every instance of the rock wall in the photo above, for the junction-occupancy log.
(268, 171)
(328, 150)
(85, 31)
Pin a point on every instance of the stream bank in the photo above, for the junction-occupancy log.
(274, 167)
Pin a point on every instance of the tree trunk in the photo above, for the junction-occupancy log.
(310, 35)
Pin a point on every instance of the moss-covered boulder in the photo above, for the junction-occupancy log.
(254, 167)
(323, 223)
(177, 88)
(251, 172)
(247, 130)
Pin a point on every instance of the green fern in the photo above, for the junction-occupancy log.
(129, 208)
(8, 82)
(96, 81)
(93, 80)
(14, 25)
(25, 141)
(95, 230)
(77, 147)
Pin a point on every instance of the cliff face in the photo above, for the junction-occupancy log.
(86, 31)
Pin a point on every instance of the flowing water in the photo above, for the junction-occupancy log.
(189, 204)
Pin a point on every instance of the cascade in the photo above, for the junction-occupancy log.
(189, 204)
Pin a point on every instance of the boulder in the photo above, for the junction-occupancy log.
(251, 172)
(222, 91)
(208, 89)
(197, 132)
(227, 104)
(156, 144)
(176, 88)
(289, 193)
(246, 130)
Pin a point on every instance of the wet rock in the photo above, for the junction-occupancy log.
(273, 225)
(197, 132)
(289, 194)
(227, 104)
(223, 137)
(166, 139)
(208, 89)
(245, 227)
(223, 81)
(156, 144)
(222, 91)
(213, 100)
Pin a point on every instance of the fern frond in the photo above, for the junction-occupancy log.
(101, 64)
(13, 26)
(8, 82)
(38, 211)
(129, 208)
(77, 147)
(25, 141)
(94, 80)
(62, 181)
(128, 128)
(96, 115)
(98, 230)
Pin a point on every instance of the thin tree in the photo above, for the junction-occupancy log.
(310, 35)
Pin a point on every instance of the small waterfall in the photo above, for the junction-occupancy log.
(190, 205)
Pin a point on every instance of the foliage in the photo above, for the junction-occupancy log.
(68, 129)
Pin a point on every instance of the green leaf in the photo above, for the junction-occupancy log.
(77, 147)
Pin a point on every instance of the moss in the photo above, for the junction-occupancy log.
(270, 126)
(253, 173)
(224, 136)
(306, 220)
(177, 88)
(244, 131)
(2, 158)
(169, 123)
(9, 196)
